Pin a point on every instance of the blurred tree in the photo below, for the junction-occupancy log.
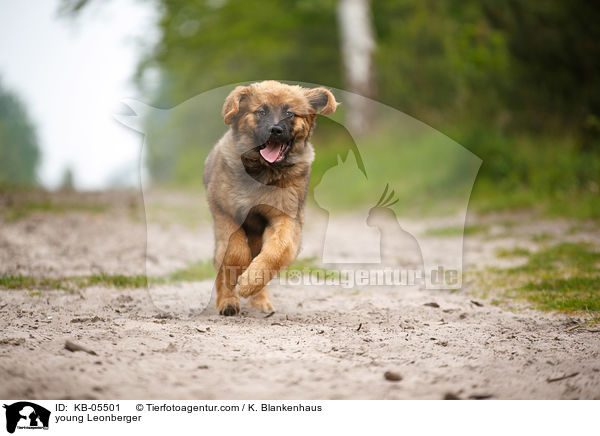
(217, 42)
(67, 183)
(441, 62)
(19, 153)
(555, 46)
(506, 62)
(490, 73)
(435, 60)
(358, 44)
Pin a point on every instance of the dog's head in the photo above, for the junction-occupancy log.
(272, 121)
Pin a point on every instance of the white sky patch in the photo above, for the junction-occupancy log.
(72, 74)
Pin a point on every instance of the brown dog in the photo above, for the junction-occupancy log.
(256, 179)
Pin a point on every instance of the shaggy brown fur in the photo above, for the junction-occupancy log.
(256, 179)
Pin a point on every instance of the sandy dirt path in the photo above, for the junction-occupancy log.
(323, 342)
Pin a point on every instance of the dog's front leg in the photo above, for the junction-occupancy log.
(281, 241)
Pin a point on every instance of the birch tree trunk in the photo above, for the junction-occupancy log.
(357, 44)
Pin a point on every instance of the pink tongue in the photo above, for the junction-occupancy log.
(271, 151)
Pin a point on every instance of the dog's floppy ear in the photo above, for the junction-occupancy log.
(321, 100)
(232, 102)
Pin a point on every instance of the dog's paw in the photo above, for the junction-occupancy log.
(250, 282)
(261, 301)
(229, 306)
(246, 290)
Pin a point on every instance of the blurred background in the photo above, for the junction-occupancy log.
(514, 82)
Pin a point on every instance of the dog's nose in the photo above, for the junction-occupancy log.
(276, 130)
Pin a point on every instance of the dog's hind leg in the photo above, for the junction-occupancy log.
(232, 256)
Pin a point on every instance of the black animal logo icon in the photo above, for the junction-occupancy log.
(26, 414)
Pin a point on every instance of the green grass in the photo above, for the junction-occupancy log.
(564, 277)
(581, 257)
(514, 252)
(570, 294)
(26, 282)
(456, 231)
(19, 211)
(118, 281)
(309, 265)
(194, 272)
(541, 237)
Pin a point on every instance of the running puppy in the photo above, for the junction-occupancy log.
(256, 179)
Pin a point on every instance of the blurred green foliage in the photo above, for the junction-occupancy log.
(515, 82)
(19, 153)
(212, 43)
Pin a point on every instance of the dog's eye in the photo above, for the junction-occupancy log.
(261, 112)
(289, 114)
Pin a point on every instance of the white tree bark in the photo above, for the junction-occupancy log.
(358, 44)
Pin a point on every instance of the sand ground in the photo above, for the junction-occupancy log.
(322, 342)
